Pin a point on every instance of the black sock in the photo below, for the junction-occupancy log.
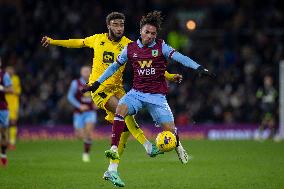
(3, 149)
(87, 145)
(177, 137)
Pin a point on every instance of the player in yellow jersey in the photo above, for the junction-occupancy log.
(13, 100)
(107, 46)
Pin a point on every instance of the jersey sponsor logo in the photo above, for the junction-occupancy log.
(146, 68)
(108, 57)
(155, 53)
(147, 63)
(135, 55)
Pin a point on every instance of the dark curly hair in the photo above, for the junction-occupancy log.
(114, 15)
(152, 18)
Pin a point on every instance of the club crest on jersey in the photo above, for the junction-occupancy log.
(155, 53)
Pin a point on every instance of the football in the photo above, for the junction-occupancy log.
(166, 141)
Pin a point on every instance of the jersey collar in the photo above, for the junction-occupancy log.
(112, 39)
(140, 45)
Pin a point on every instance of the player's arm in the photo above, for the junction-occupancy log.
(71, 96)
(121, 59)
(170, 52)
(7, 84)
(70, 43)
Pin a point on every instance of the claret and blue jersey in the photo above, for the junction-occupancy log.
(149, 86)
(5, 81)
(76, 98)
(148, 64)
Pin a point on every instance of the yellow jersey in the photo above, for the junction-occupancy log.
(105, 53)
(13, 99)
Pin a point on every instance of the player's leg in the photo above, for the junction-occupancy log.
(108, 101)
(135, 130)
(112, 174)
(111, 106)
(89, 119)
(128, 105)
(131, 123)
(87, 142)
(163, 116)
(113, 164)
(13, 130)
(4, 123)
(79, 124)
(272, 127)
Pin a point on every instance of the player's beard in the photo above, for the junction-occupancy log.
(114, 37)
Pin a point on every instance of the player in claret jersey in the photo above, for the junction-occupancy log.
(148, 57)
(5, 87)
(107, 47)
(85, 116)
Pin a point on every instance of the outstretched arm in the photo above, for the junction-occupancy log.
(70, 43)
(169, 52)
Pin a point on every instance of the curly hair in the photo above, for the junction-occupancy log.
(152, 18)
(114, 15)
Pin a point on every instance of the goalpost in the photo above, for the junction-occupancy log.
(281, 100)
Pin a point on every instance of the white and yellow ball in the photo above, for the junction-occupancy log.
(166, 141)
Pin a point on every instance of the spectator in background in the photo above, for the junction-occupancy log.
(231, 39)
(267, 96)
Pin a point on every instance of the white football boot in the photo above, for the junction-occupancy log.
(182, 154)
(86, 157)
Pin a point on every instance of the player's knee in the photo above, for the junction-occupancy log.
(122, 110)
(79, 134)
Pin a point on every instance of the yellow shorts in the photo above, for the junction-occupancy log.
(13, 111)
(102, 95)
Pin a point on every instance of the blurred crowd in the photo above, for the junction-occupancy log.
(241, 41)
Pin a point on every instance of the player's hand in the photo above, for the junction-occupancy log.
(45, 41)
(204, 72)
(93, 87)
(84, 107)
(178, 78)
(1, 88)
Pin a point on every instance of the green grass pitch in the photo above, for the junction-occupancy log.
(216, 164)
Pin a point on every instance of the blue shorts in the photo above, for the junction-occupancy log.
(4, 118)
(80, 119)
(156, 105)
